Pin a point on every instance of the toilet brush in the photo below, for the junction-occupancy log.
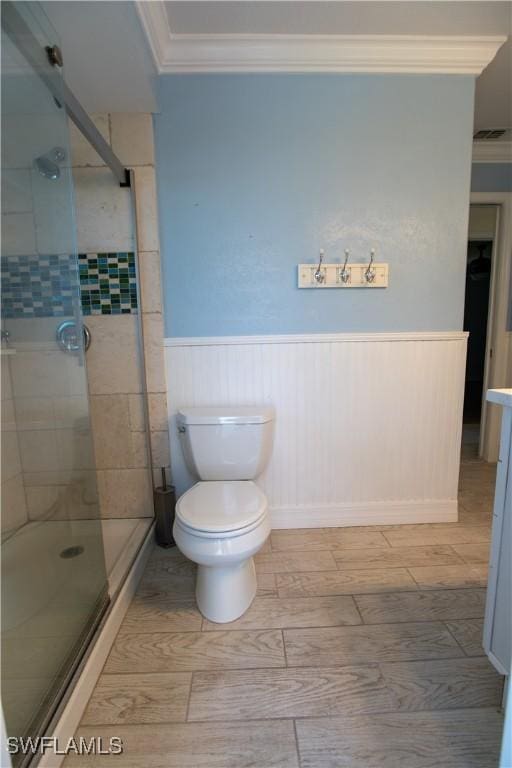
(165, 503)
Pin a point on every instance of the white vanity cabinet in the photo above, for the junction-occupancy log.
(497, 639)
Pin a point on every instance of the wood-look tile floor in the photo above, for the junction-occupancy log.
(362, 649)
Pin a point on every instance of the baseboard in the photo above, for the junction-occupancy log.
(365, 513)
(92, 666)
(498, 666)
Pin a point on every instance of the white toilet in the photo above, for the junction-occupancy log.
(222, 521)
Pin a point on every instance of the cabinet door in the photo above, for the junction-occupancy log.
(498, 618)
(502, 629)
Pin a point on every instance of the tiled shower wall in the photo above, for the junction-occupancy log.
(46, 461)
(105, 225)
(46, 457)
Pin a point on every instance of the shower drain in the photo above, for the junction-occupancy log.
(71, 552)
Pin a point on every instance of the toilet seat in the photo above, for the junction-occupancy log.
(218, 509)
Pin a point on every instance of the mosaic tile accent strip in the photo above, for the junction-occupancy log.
(47, 286)
(108, 283)
(39, 286)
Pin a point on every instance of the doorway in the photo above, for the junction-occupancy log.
(477, 313)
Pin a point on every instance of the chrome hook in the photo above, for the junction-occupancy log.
(319, 275)
(344, 273)
(370, 271)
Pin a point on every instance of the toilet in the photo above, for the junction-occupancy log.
(223, 520)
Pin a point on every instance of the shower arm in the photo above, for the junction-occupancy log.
(45, 62)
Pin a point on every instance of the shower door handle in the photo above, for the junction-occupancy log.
(67, 337)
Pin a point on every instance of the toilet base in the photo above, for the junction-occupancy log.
(224, 594)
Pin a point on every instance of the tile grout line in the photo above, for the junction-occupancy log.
(471, 572)
(294, 668)
(343, 569)
(297, 748)
(187, 710)
(295, 718)
(445, 622)
(420, 621)
(415, 580)
(214, 632)
(284, 650)
(287, 718)
(284, 552)
(267, 628)
(456, 554)
(354, 601)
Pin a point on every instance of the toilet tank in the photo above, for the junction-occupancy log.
(226, 443)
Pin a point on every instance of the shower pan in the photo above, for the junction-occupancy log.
(58, 552)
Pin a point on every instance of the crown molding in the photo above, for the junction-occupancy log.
(155, 24)
(492, 151)
(329, 53)
(414, 54)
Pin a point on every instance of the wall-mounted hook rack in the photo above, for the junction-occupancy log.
(346, 275)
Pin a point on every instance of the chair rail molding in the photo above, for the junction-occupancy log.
(414, 54)
(313, 338)
(368, 426)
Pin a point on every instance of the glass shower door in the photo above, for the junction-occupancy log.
(54, 585)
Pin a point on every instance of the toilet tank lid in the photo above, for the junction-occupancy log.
(242, 414)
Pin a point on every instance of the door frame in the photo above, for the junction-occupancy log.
(498, 351)
(491, 236)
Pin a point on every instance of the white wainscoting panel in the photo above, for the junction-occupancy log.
(368, 426)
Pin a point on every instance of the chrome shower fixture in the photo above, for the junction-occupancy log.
(47, 165)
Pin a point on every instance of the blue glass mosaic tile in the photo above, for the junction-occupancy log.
(39, 286)
(48, 286)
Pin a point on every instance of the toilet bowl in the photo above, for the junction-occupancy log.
(222, 521)
(220, 526)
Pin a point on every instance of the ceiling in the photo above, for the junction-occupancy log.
(107, 62)
(109, 65)
(319, 17)
(493, 98)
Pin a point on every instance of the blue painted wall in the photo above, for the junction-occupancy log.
(257, 172)
(491, 177)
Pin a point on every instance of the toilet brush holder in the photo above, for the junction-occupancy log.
(165, 504)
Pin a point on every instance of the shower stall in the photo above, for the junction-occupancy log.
(76, 486)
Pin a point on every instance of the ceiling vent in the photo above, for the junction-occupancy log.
(493, 134)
